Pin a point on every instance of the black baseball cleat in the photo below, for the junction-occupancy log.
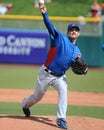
(26, 112)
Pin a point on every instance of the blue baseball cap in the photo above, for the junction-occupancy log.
(73, 25)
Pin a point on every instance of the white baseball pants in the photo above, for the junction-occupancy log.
(44, 80)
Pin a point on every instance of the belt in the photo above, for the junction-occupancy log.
(52, 73)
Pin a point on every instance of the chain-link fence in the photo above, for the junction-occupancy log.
(89, 26)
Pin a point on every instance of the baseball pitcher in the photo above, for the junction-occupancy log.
(63, 54)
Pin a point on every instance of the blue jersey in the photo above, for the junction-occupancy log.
(62, 51)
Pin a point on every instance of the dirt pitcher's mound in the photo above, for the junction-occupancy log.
(49, 123)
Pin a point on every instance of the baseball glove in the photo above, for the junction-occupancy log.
(79, 67)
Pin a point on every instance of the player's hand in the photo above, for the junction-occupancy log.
(42, 8)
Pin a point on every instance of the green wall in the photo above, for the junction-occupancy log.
(102, 43)
(91, 48)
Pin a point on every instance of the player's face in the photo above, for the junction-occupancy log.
(73, 33)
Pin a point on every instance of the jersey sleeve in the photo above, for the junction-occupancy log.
(76, 53)
(52, 31)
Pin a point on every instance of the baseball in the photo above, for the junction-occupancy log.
(42, 1)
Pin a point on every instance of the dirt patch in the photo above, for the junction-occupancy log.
(74, 98)
(49, 123)
(10, 122)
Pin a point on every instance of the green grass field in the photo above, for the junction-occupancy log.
(51, 109)
(24, 77)
(70, 7)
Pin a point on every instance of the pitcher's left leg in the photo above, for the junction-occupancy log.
(61, 86)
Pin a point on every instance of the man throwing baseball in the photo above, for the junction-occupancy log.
(63, 54)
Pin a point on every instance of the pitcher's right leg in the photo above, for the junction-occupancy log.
(39, 92)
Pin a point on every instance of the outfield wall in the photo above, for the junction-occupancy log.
(23, 46)
(92, 48)
(24, 30)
